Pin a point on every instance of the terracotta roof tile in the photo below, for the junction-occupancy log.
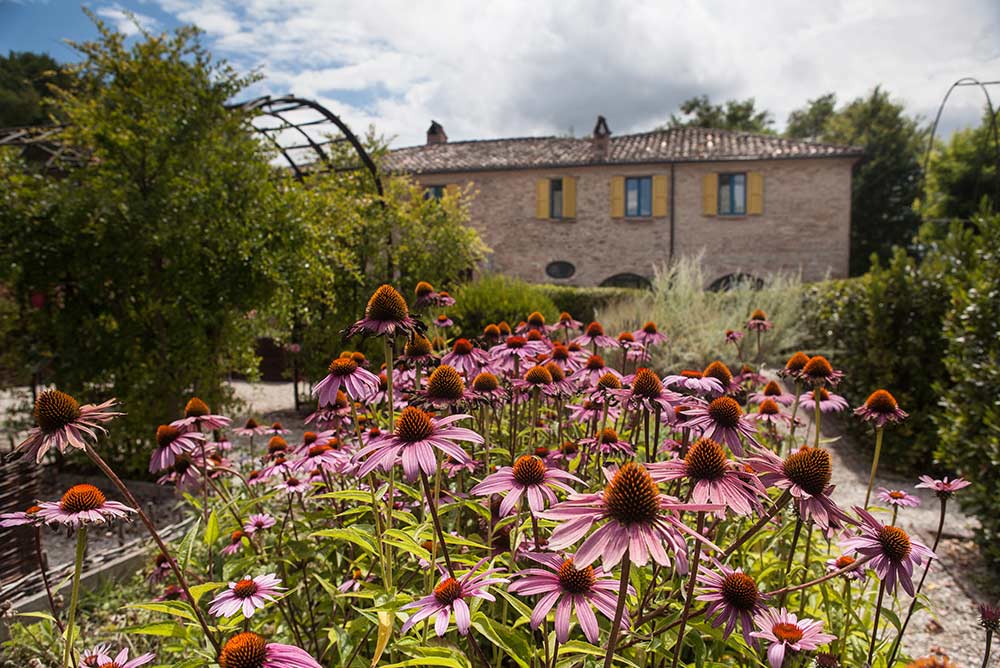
(675, 145)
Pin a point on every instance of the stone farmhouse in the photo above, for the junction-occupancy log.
(608, 210)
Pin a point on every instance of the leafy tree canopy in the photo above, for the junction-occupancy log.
(25, 80)
(742, 115)
(810, 121)
(964, 174)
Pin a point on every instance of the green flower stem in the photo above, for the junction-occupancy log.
(45, 578)
(388, 344)
(878, 614)
(749, 533)
(791, 558)
(81, 548)
(689, 596)
(818, 414)
(871, 478)
(847, 620)
(989, 643)
(619, 609)
(429, 495)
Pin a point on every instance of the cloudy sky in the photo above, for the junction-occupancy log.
(530, 67)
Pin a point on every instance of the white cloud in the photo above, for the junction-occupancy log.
(125, 21)
(524, 67)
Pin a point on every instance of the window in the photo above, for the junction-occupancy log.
(627, 280)
(555, 198)
(434, 192)
(732, 194)
(735, 282)
(560, 269)
(639, 197)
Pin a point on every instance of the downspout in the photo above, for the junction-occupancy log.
(673, 198)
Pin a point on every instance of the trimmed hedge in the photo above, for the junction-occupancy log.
(584, 303)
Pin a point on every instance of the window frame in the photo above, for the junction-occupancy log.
(435, 192)
(639, 212)
(729, 177)
(553, 200)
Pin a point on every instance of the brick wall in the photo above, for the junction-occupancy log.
(805, 225)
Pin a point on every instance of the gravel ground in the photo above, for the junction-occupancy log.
(953, 586)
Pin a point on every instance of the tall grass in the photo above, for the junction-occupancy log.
(696, 319)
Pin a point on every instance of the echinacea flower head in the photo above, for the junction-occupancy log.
(772, 390)
(806, 475)
(636, 518)
(99, 657)
(61, 422)
(443, 321)
(944, 488)
(608, 443)
(466, 358)
(595, 337)
(567, 588)
(785, 631)
(530, 477)
(250, 428)
(834, 564)
(719, 371)
(646, 391)
(897, 497)
(412, 442)
(713, 477)
(514, 350)
(246, 596)
(81, 505)
(445, 386)
(893, 553)
(769, 412)
(21, 518)
(881, 408)
(250, 650)
(696, 382)
(649, 335)
(758, 322)
(818, 372)
(452, 595)
(733, 336)
(385, 315)
(171, 442)
(793, 367)
(828, 401)
(199, 417)
(989, 617)
(486, 388)
(732, 596)
(423, 294)
(722, 420)
(932, 661)
(344, 373)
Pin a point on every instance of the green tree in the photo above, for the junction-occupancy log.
(25, 96)
(138, 274)
(965, 173)
(887, 181)
(810, 121)
(741, 115)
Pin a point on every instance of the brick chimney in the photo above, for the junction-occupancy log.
(599, 141)
(436, 134)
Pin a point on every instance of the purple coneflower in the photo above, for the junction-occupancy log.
(172, 442)
(591, 410)
(646, 391)
(62, 422)
(451, 595)
(828, 401)
(637, 519)
(714, 478)
(466, 358)
(732, 596)
(250, 428)
(793, 367)
(880, 408)
(806, 475)
(770, 414)
(595, 337)
(567, 322)
(82, 505)
(99, 657)
(445, 387)
(515, 350)
(568, 360)
(161, 569)
(413, 442)
(785, 631)
(443, 321)
(235, 543)
(276, 429)
(21, 518)
(486, 388)
(354, 582)
(321, 456)
(818, 372)
(562, 584)
(608, 443)
(358, 383)
(249, 650)
(749, 377)
(536, 323)
(719, 371)
(722, 420)
(695, 381)
(423, 294)
(294, 485)
(943, 488)
(385, 315)
(184, 474)
(893, 552)
(443, 299)
(591, 371)
(528, 477)
(649, 335)
(198, 417)
(537, 379)
(246, 595)
(758, 322)
(418, 350)
(772, 391)
(733, 336)
(834, 564)
(897, 497)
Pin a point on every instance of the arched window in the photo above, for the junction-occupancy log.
(732, 281)
(560, 269)
(627, 280)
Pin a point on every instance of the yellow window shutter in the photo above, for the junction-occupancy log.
(569, 197)
(755, 193)
(542, 198)
(617, 196)
(710, 195)
(659, 196)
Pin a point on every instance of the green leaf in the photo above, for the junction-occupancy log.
(175, 608)
(165, 629)
(385, 624)
(349, 535)
(212, 529)
(198, 591)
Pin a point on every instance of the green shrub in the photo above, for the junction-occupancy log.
(695, 319)
(585, 303)
(492, 298)
(884, 330)
(968, 417)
